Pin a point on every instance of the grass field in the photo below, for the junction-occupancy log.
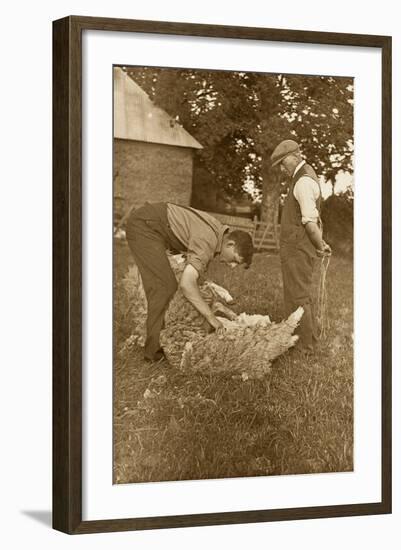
(172, 426)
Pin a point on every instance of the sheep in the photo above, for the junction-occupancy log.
(247, 346)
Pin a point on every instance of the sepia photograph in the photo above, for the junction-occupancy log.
(233, 274)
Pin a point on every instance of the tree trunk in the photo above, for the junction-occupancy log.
(270, 194)
(204, 188)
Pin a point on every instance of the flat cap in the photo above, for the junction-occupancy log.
(283, 149)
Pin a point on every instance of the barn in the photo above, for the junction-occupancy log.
(153, 154)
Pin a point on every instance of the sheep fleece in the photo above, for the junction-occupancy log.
(247, 346)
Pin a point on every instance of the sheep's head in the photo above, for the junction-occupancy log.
(210, 291)
(219, 292)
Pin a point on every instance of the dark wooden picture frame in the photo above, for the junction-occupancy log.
(67, 274)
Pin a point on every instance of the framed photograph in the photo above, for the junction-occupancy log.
(221, 275)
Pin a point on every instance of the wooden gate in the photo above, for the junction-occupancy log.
(264, 236)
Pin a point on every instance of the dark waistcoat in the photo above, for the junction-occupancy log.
(293, 233)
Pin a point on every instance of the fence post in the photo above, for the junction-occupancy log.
(255, 226)
(263, 236)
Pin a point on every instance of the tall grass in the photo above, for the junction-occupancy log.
(172, 426)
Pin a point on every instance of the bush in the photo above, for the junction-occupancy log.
(338, 223)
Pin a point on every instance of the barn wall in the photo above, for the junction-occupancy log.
(150, 172)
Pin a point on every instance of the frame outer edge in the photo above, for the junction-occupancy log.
(386, 273)
(67, 275)
(227, 31)
(67, 429)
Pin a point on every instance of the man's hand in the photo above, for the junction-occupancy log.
(217, 325)
(325, 250)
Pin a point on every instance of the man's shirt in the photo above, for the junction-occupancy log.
(307, 191)
(199, 232)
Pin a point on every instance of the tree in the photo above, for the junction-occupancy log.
(240, 117)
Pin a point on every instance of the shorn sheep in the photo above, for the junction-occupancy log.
(247, 347)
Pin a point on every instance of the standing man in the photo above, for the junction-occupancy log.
(300, 238)
(155, 228)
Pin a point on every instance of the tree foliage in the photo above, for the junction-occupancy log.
(240, 117)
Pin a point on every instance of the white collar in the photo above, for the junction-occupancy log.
(298, 167)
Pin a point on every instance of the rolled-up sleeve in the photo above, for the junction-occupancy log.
(307, 192)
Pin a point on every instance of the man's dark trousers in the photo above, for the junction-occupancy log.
(149, 236)
(297, 269)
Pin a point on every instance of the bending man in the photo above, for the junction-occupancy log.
(155, 228)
